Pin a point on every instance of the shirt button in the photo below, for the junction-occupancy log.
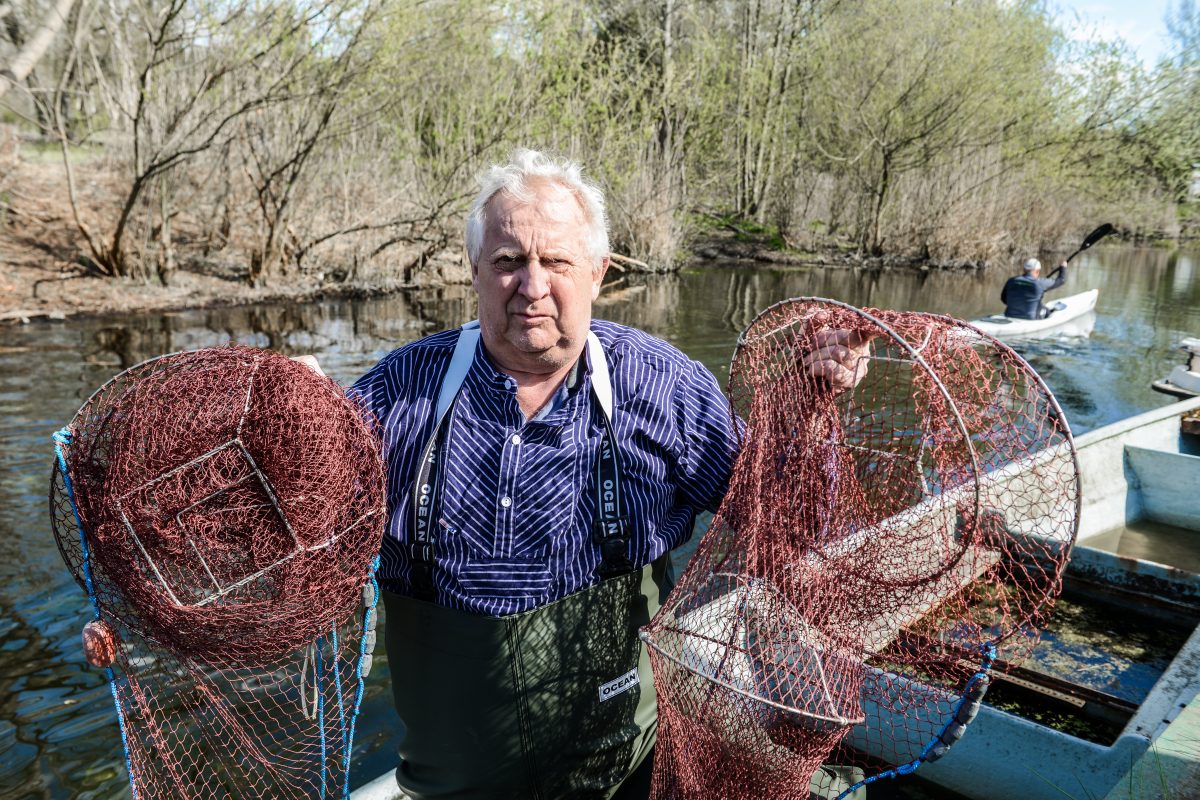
(516, 438)
(506, 501)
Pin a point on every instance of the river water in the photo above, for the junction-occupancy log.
(58, 734)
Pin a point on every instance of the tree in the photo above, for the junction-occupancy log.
(32, 48)
(281, 143)
(890, 100)
(178, 78)
(1173, 120)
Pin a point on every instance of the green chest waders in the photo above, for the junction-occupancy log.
(557, 702)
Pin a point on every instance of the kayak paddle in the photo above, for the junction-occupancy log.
(1093, 237)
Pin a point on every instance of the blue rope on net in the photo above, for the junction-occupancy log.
(952, 731)
(62, 438)
(368, 625)
(317, 669)
(337, 678)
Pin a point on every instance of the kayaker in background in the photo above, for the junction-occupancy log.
(1022, 294)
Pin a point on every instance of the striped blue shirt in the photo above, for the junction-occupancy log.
(519, 496)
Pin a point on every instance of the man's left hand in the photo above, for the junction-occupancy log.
(840, 358)
(311, 363)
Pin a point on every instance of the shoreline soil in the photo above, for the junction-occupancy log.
(43, 284)
(45, 273)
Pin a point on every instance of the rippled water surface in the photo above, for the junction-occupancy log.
(58, 736)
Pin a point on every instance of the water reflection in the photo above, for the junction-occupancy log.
(57, 735)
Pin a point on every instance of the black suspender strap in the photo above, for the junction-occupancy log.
(610, 528)
(425, 512)
(427, 491)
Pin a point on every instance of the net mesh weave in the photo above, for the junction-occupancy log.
(874, 548)
(223, 509)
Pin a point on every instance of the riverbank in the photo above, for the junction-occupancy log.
(58, 289)
(45, 271)
(46, 281)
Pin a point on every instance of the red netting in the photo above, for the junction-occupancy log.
(233, 503)
(873, 545)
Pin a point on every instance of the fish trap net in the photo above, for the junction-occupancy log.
(878, 552)
(223, 510)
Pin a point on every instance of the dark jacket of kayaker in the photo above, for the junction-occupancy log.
(1022, 294)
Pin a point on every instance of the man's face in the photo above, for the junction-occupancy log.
(536, 279)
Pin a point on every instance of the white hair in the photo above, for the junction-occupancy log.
(531, 166)
(1032, 265)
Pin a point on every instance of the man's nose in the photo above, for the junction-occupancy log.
(535, 282)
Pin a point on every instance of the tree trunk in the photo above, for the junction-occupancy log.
(885, 177)
(36, 46)
(166, 251)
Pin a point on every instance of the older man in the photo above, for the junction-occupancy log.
(541, 465)
(1022, 294)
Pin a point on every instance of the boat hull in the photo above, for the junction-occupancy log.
(1182, 382)
(1138, 469)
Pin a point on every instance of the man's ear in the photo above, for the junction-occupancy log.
(598, 276)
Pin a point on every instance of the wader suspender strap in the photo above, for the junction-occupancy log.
(610, 530)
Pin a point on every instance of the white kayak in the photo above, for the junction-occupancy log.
(1061, 312)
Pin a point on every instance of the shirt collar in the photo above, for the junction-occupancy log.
(574, 377)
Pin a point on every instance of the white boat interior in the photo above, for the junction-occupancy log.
(1139, 537)
(1140, 470)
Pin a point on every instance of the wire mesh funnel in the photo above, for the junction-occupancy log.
(877, 550)
(223, 510)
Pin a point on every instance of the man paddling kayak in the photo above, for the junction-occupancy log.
(1022, 294)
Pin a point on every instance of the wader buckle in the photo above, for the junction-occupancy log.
(611, 529)
(612, 536)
